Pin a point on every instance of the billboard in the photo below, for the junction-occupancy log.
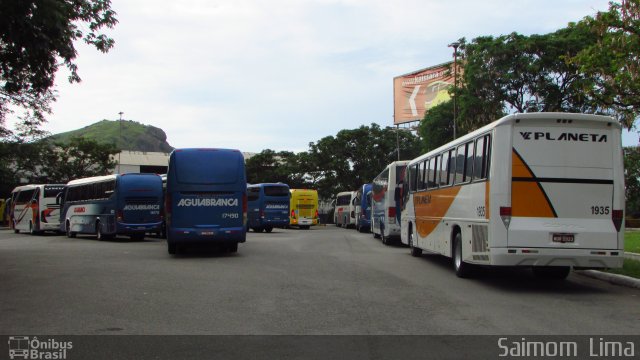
(417, 92)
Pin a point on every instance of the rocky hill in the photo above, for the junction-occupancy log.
(125, 134)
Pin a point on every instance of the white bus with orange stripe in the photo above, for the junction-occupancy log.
(539, 190)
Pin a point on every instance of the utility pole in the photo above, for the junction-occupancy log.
(120, 128)
(455, 46)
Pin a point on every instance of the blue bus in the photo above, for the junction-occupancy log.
(206, 198)
(268, 206)
(363, 208)
(120, 204)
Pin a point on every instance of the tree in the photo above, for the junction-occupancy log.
(523, 74)
(77, 159)
(36, 38)
(632, 180)
(354, 157)
(436, 128)
(613, 60)
(269, 166)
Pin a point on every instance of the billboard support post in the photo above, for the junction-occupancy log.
(455, 46)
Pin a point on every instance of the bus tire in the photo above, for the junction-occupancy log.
(304, 227)
(233, 247)
(172, 248)
(99, 234)
(385, 239)
(415, 251)
(32, 231)
(70, 234)
(268, 229)
(551, 272)
(462, 269)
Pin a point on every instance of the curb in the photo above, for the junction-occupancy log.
(615, 279)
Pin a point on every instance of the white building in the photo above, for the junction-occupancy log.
(146, 162)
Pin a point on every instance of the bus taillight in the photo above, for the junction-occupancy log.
(505, 215)
(392, 215)
(293, 214)
(617, 216)
(245, 206)
(119, 215)
(317, 214)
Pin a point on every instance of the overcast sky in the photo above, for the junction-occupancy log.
(278, 74)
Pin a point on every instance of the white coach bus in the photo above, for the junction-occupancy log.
(540, 190)
(344, 213)
(34, 208)
(385, 207)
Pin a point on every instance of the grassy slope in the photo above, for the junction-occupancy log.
(128, 135)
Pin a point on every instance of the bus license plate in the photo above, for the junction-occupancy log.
(563, 238)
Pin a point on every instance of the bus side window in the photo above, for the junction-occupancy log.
(423, 174)
(468, 165)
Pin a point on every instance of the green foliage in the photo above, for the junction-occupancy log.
(335, 163)
(613, 60)
(436, 128)
(524, 74)
(126, 135)
(632, 180)
(36, 37)
(270, 167)
(43, 162)
(77, 159)
(354, 157)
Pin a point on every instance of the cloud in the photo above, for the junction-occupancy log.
(255, 74)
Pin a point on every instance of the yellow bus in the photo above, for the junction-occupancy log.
(304, 208)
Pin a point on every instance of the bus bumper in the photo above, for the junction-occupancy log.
(273, 223)
(225, 235)
(122, 228)
(577, 258)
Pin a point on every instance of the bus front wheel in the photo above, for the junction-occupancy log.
(32, 230)
(415, 251)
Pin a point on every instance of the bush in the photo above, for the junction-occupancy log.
(632, 223)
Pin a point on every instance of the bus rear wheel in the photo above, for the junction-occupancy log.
(232, 248)
(172, 248)
(462, 269)
(268, 229)
(70, 234)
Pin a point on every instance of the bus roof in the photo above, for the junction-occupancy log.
(510, 119)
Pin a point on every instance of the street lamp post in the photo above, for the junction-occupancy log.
(120, 128)
(455, 46)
